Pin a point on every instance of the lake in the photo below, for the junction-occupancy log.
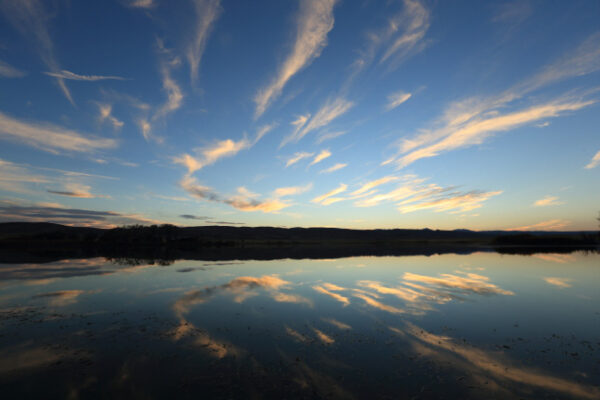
(481, 325)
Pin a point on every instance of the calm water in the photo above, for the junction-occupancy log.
(483, 325)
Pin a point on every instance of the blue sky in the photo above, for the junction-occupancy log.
(360, 114)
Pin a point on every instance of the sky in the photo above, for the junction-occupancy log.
(351, 114)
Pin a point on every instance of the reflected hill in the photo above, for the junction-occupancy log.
(39, 242)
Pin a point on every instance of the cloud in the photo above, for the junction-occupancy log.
(69, 216)
(333, 168)
(297, 157)
(174, 94)
(64, 74)
(328, 198)
(50, 138)
(106, 115)
(480, 129)
(244, 201)
(550, 225)
(143, 4)
(595, 161)
(327, 113)
(406, 31)
(455, 201)
(77, 190)
(329, 135)
(320, 157)
(559, 282)
(291, 190)
(548, 201)
(8, 71)
(30, 18)
(473, 120)
(373, 184)
(225, 148)
(395, 99)
(207, 12)
(194, 217)
(314, 22)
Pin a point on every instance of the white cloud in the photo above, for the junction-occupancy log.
(49, 137)
(328, 198)
(106, 115)
(8, 71)
(479, 129)
(548, 201)
(472, 120)
(595, 161)
(329, 135)
(30, 18)
(373, 184)
(333, 168)
(224, 148)
(207, 12)
(291, 190)
(297, 157)
(174, 94)
(406, 31)
(243, 201)
(320, 157)
(456, 202)
(395, 99)
(330, 111)
(64, 74)
(315, 20)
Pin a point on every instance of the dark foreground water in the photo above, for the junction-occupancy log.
(483, 325)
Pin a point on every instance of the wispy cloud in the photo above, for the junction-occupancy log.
(406, 31)
(77, 190)
(479, 129)
(207, 12)
(297, 157)
(548, 201)
(30, 18)
(455, 201)
(8, 71)
(328, 198)
(69, 216)
(106, 115)
(395, 99)
(143, 3)
(174, 94)
(594, 162)
(473, 120)
(64, 74)
(244, 200)
(329, 135)
(292, 190)
(402, 37)
(320, 157)
(558, 282)
(50, 138)
(224, 148)
(373, 184)
(550, 225)
(333, 168)
(314, 22)
(327, 113)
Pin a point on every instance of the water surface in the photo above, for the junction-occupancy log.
(482, 325)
